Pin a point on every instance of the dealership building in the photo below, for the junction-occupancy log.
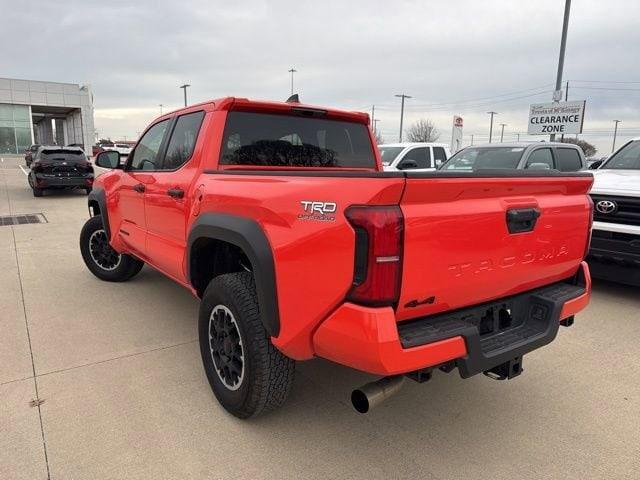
(44, 113)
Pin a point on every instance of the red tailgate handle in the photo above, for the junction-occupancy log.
(521, 220)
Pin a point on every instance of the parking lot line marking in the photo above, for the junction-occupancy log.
(23, 170)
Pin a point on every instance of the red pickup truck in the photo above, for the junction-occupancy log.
(278, 216)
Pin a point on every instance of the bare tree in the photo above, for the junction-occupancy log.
(379, 139)
(588, 149)
(424, 130)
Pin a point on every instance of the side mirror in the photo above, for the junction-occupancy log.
(108, 159)
(407, 164)
(596, 164)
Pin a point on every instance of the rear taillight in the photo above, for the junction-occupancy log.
(588, 244)
(378, 254)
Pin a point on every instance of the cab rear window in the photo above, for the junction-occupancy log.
(259, 139)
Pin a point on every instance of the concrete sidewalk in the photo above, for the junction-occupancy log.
(115, 369)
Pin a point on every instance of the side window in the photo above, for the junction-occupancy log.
(421, 156)
(540, 156)
(145, 155)
(183, 140)
(568, 160)
(439, 156)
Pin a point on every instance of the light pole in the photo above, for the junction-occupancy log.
(161, 109)
(472, 139)
(292, 71)
(375, 127)
(502, 131)
(615, 134)
(184, 87)
(563, 45)
(491, 125)
(402, 96)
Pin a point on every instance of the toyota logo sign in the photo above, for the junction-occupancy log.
(606, 206)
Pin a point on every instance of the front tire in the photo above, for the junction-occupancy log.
(102, 260)
(247, 374)
(37, 192)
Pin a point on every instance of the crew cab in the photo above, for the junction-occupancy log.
(565, 157)
(413, 156)
(278, 216)
(615, 246)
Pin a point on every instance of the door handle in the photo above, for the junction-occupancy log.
(139, 188)
(175, 192)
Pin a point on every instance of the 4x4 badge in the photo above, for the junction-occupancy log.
(606, 206)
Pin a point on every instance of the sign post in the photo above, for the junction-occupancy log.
(556, 117)
(456, 133)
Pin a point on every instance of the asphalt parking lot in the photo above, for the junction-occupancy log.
(115, 369)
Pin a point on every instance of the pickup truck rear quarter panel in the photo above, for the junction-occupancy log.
(313, 258)
(459, 251)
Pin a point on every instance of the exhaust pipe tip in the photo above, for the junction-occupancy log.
(360, 401)
(373, 394)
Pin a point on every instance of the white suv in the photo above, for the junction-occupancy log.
(615, 244)
(413, 156)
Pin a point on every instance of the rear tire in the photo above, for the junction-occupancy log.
(102, 260)
(88, 190)
(247, 374)
(37, 192)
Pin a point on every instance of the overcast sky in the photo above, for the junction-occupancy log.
(462, 57)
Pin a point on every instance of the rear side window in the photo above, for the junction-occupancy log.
(183, 140)
(539, 158)
(422, 157)
(293, 141)
(479, 158)
(568, 160)
(439, 155)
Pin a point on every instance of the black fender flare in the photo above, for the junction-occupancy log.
(97, 195)
(246, 234)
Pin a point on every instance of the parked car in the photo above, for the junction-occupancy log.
(29, 153)
(565, 157)
(60, 168)
(122, 148)
(413, 156)
(615, 244)
(96, 149)
(279, 218)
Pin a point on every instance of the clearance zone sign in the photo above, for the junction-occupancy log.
(557, 117)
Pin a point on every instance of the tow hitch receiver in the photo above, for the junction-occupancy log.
(506, 370)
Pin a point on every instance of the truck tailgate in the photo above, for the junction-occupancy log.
(469, 240)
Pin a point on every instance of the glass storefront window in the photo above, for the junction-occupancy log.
(23, 139)
(15, 128)
(7, 140)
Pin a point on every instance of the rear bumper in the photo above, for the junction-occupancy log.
(369, 339)
(53, 181)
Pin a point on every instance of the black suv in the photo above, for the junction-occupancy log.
(60, 167)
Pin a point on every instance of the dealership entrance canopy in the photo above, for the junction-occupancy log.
(44, 112)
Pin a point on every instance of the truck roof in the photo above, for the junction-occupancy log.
(268, 106)
(521, 144)
(415, 144)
